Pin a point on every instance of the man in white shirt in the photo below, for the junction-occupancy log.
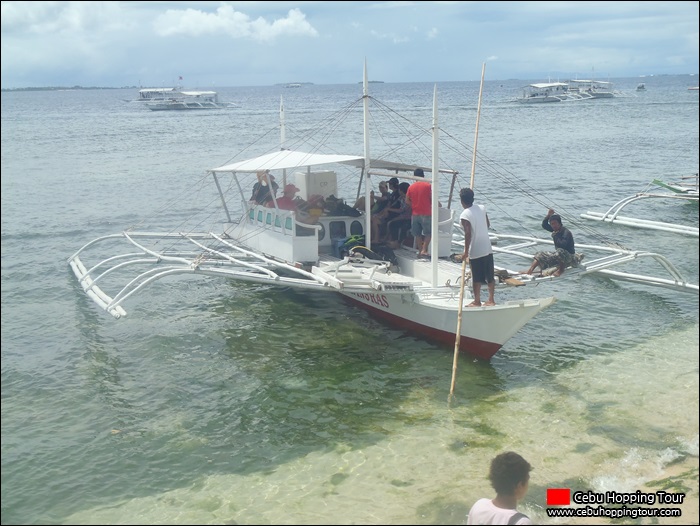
(477, 247)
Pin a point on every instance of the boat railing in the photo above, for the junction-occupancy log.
(283, 221)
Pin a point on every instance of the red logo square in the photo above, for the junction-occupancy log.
(558, 496)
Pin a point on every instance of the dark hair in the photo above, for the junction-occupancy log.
(556, 217)
(418, 172)
(507, 471)
(404, 186)
(393, 182)
(466, 195)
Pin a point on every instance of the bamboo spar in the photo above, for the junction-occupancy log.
(458, 334)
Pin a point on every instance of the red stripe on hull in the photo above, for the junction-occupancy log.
(477, 348)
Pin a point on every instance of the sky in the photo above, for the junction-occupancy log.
(153, 44)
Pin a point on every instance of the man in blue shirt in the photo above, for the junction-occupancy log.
(563, 256)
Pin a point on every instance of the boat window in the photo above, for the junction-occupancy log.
(252, 214)
(260, 215)
(277, 221)
(268, 220)
(356, 228)
(288, 223)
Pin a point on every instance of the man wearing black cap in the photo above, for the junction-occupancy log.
(564, 254)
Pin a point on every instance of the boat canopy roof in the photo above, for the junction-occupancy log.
(198, 93)
(591, 81)
(157, 90)
(543, 85)
(291, 159)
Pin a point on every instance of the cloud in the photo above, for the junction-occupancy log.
(125, 43)
(235, 24)
(63, 18)
(392, 37)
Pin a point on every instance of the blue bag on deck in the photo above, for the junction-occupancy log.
(343, 246)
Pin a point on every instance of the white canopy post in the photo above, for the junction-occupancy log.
(435, 194)
(368, 179)
(283, 139)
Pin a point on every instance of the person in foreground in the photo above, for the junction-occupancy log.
(477, 247)
(510, 477)
(564, 254)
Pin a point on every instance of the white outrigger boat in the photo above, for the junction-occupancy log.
(272, 246)
(546, 92)
(155, 94)
(684, 190)
(190, 100)
(163, 99)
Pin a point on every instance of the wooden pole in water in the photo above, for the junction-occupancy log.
(458, 334)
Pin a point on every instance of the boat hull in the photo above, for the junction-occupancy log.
(484, 330)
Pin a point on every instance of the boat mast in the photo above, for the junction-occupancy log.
(434, 218)
(368, 182)
(283, 139)
(476, 131)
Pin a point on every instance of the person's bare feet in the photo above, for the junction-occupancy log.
(490, 304)
(474, 304)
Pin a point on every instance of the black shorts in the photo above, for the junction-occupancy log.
(482, 269)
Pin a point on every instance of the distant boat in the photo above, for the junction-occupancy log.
(641, 87)
(592, 89)
(694, 88)
(545, 92)
(155, 94)
(189, 100)
(567, 91)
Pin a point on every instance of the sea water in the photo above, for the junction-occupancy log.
(220, 402)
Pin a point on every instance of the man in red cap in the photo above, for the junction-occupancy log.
(286, 202)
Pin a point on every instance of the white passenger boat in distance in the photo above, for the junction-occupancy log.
(155, 94)
(545, 92)
(190, 100)
(592, 89)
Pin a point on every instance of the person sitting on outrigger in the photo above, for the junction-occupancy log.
(564, 254)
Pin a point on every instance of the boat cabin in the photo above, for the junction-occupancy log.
(148, 94)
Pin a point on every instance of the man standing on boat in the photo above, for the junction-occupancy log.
(564, 255)
(477, 247)
(419, 198)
